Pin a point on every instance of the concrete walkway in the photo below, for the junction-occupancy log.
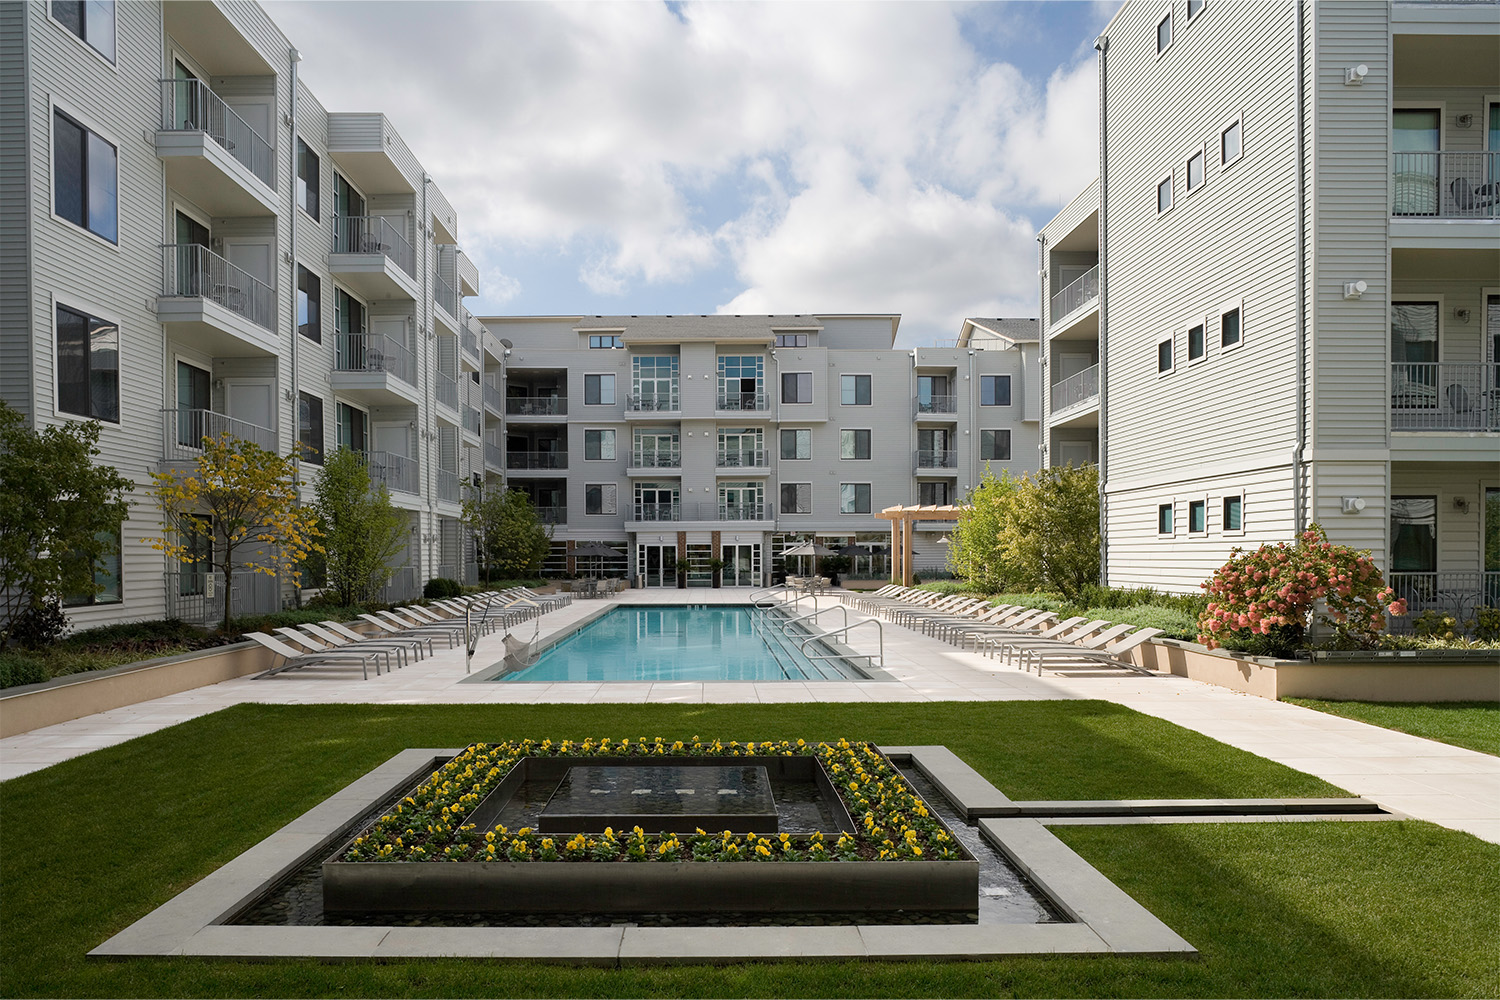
(1447, 785)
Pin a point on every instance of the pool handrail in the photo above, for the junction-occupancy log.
(845, 631)
(786, 623)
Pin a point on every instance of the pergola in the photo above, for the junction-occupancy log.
(901, 519)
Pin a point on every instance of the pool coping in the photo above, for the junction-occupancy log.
(1107, 919)
(863, 666)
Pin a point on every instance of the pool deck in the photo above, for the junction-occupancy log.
(1447, 785)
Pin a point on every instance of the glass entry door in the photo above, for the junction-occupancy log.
(741, 566)
(657, 564)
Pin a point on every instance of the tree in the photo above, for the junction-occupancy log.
(244, 500)
(59, 513)
(977, 551)
(1040, 530)
(363, 532)
(512, 541)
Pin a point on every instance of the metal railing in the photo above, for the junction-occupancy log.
(655, 459)
(374, 352)
(744, 512)
(1446, 185)
(1445, 396)
(401, 587)
(935, 404)
(468, 341)
(1081, 291)
(195, 595)
(743, 401)
(536, 460)
(494, 455)
(444, 295)
(448, 571)
(929, 459)
(743, 458)
(446, 390)
(654, 402)
(193, 271)
(473, 422)
(373, 234)
(398, 473)
(190, 106)
(552, 515)
(494, 398)
(1456, 594)
(658, 512)
(536, 406)
(1075, 389)
(183, 431)
(447, 486)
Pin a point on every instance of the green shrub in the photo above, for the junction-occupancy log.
(1486, 624)
(112, 636)
(39, 625)
(1174, 624)
(18, 668)
(440, 587)
(949, 587)
(1041, 600)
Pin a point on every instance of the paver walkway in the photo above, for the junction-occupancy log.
(1447, 785)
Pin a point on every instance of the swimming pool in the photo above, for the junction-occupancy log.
(682, 643)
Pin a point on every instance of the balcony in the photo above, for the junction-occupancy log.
(1080, 390)
(494, 457)
(373, 257)
(494, 399)
(396, 473)
(468, 347)
(1445, 396)
(526, 461)
(552, 515)
(536, 406)
(445, 297)
(742, 402)
(220, 308)
(642, 461)
(447, 486)
(654, 403)
(1446, 185)
(375, 369)
(213, 157)
(658, 512)
(743, 460)
(446, 391)
(1457, 594)
(930, 459)
(935, 406)
(1079, 293)
(473, 423)
(743, 512)
(183, 431)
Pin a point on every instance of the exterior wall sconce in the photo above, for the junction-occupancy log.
(1352, 505)
(1355, 75)
(1355, 289)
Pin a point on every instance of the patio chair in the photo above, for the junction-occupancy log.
(292, 658)
(1113, 655)
(318, 646)
(1041, 625)
(912, 616)
(1080, 640)
(331, 638)
(981, 613)
(421, 645)
(413, 622)
(390, 628)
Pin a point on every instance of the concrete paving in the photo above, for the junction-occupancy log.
(1447, 785)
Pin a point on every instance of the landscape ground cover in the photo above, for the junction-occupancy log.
(1332, 909)
(1474, 725)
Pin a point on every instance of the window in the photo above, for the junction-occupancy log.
(1414, 534)
(1164, 519)
(1229, 327)
(741, 382)
(93, 21)
(994, 446)
(106, 574)
(854, 444)
(1164, 34)
(1196, 346)
(1194, 7)
(198, 537)
(938, 494)
(349, 312)
(599, 498)
(796, 498)
(655, 382)
(854, 390)
(88, 365)
(598, 342)
(310, 427)
(598, 390)
(599, 446)
(796, 387)
(85, 178)
(994, 390)
(1197, 517)
(309, 305)
(1234, 513)
(1230, 144)
(854, 498)
(1164, 194)
(1164, 355)
(307, 179)
(353, 426)
(791, 340)
(1195, 171)
(796, 445)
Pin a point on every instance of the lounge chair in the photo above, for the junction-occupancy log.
(1080, 640)
(408, 631)
(421, 645)
(334, 639)
(1112, 655)
(291, 657)
(318, 645)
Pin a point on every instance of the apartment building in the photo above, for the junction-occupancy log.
(209, 250)
(1280, 301)
(676, 440)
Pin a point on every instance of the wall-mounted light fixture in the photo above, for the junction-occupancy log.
(1355, 289)
(1352, 505)
(1355, 75)
(1461, 504)
(1462, 315)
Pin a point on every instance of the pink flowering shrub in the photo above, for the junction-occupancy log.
(1265, 601)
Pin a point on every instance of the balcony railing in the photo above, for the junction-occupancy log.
(745, 401)
(494, 398)
(448, 571)
(743, 458)
(1076, 294)
(536, 460)
(654, 402)
(398, 473)
(494, 455)
(744, 512)
(655, 459)
(468, 341)
(193, 271)
(552, 515)
(446, 391)
(928, 459)
(183, 431)
(374, 352)
(189, 106)
(1447, 185)
(444, 295)
(1075, 389)
(658, 512)
(373, 234)
(1445, 396)
(473, 422)
(401, 587)
(447, 486)
(536, 406)
(197, 595)
(935, 404)
(1457, 594)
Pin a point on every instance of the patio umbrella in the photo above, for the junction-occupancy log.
(855, 550)
(809, 549)
(595, 550)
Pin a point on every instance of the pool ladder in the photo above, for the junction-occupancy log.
(784, 626)
(778, 642)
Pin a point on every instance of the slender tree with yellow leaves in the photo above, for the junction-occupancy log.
(243, 499)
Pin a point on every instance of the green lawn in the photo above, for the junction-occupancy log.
(1387, 909)
(1471, 724)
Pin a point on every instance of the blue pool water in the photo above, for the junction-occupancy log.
(675, 643)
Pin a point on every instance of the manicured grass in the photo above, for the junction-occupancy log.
(1392, 909)
(1471, 724)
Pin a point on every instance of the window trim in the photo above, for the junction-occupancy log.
(794, 513)
(1197, 322)
(1170, 509)
(1171, 340)
(296, 176)
(85, 122)
(1171, 33)
(1195, 502)
(1238, 119)
(856, 375)
(794, 430)
(1010, 443)
(600, 336)
(1224, 528)
(93, 599)
(781, 390)
(1010, 393)
(114, 12)
(322, 453)
(1187, 172)
(602, 513)
(870, 457)
(1238, 304)
(1190, 16)
(297, 291)
(612, 430)
(1170, 179)
(857, 513)
(77, 305)
(776, 337)
(613, 375)
(369, 428)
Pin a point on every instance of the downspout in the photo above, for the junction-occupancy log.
(294, 57)
(1044, 401)
(1299, 507)
(912, 436)
(424, 335)
(1102, 45)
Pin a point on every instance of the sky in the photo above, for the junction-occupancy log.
(636, 158)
